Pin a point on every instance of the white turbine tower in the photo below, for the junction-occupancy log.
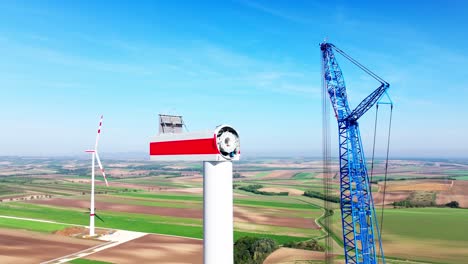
(95, 156)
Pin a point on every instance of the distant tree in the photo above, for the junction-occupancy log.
(319, 195)
(252, 250)
(453, 204)
(237, 175)
(308, 245)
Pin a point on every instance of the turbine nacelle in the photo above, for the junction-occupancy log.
(220, 144)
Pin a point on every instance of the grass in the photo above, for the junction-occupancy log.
(261, 174)
(198, 198)
(303, 175)
(431, 235)
(136, 222)
(8, 191)
(280, 239)
(30, 225)
(462, 178)
(147, 202)
(278, 230)
(457, 172)
(87, 261)
(428, 223)
(423, 223)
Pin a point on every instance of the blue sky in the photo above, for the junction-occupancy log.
(252, 64)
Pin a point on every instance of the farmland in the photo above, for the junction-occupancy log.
(167, 199)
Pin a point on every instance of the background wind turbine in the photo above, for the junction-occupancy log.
(95, 156)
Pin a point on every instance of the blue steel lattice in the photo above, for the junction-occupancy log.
(357, 206)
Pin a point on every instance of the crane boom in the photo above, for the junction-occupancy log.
(360, 228)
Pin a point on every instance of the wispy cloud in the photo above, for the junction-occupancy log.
(203, 63)
(278, 13)
(44, 54)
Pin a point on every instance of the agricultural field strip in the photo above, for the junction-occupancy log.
(82, 253)
(295, 186)
(268, 202)
(304, 175)
(78, 187)
(280, 230)
(68, 224)
(415, 220)
(138, 222)
(70, 213)
(261, 174)
(22, 223)
(158, 182)
(114, 241)
(146, 202)
(87, 261)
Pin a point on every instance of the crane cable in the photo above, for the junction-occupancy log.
(386, 163)
(359, 65)
(373, 146)
(326, 160)
(386, 169)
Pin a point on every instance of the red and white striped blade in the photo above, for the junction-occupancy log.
(102, 169)
(98, 132)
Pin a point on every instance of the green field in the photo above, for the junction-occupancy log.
(186, 227)
(436, 235)
(30, 225)
(427, 223)
(284, 203)
(261, 174)
(303, 175)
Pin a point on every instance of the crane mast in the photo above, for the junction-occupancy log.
(359, 223)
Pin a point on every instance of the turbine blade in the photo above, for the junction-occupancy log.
(102, 169)
(98, 217)
(98, 133)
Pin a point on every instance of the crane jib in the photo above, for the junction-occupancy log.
(361, 234)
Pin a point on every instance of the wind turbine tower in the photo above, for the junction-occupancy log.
(95, 156)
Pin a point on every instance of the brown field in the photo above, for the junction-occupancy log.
(197, 178)
(154, 249)
(267, 217)
(140, 209)
(292, 256)
(19, 246)
(79, 231)
(291, 191)
(262, 216)
(426, 185)
(303, 165)
(195, 190)
(125, 172)
(425, 249)
(279, 174)
(129, 185)
(458, 192)
(390, 197)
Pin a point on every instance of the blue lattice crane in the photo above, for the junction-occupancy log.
(359, 222)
